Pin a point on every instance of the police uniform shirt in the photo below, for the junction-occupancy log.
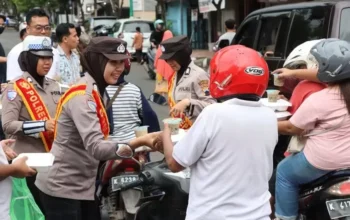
(14, 112)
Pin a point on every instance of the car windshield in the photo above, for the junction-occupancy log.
(146, 27)
(105, 21)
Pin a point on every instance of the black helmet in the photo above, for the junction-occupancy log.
(333, 57)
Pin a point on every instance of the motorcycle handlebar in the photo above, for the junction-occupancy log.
(131, 185)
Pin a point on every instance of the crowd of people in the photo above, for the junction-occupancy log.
(74, 102)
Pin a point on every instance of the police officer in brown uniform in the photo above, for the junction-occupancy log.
(29, 102)
(188, 91)
(67, 190)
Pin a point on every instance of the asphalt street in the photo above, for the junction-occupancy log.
(137, 76)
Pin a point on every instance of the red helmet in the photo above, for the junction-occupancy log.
(238, 70)
(127, 64)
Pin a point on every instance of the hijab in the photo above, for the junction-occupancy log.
(95, 64)
(183, 58)
(28, 62)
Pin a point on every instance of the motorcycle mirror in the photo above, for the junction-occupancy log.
(158, 99)
(124, 151)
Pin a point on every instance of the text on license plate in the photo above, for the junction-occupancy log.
(338, 208)
(124, 179)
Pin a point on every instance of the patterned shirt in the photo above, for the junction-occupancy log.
(68, 68)
(127, 110)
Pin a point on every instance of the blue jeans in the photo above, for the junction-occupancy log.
(292, 172)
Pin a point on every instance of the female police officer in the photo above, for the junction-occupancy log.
(67, 190)
(29, 102)
(188, 90)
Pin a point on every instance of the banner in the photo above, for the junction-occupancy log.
(207, 5)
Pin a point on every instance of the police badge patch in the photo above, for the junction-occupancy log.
(121, 48)
(92, 105)
(11, 95)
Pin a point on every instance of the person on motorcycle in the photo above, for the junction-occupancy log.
(298, 61)
(230, 146)
(324, 116)
(157, 34)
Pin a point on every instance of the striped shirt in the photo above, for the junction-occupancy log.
(127, 109)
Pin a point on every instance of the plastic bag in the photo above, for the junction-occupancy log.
(23, 206)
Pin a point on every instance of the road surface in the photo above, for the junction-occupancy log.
(137, 75)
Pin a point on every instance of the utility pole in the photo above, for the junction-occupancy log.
(95, 7)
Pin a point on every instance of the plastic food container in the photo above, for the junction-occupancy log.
(272, 95)
(141, 131)
(174, 124)
(177, 137)
(281, 105)
(41, 162)
(282, 115)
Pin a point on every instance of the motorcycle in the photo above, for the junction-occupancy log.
(149, 62)
(326, 198)
(116, 204)
(164, 194)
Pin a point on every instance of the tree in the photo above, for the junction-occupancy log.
(25, 5)
(217, 4)
(117, 7)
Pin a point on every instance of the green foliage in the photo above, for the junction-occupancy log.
(25, 5)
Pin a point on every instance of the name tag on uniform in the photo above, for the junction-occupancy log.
(184, 89)
(56, 93)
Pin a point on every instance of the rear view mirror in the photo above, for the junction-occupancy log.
(158, 99)
(124, 151)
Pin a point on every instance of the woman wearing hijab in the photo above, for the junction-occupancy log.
(188, 91)
(81, 136)
(29, 102)
(163, 70)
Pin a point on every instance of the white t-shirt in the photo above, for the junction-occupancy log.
(13, 69)
(227, 36)
(5, 190)
(229, 150)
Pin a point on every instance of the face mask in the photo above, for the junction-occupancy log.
(2, 29)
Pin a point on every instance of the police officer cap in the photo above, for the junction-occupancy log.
(38, 45)
(173, 45)
(111, 48)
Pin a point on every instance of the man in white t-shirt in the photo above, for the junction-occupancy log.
(230, 26)
(17, 169)
(229, 148)
(37, 25)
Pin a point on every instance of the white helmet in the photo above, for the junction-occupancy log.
(301, 56)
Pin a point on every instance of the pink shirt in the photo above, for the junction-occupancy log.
(324, 110)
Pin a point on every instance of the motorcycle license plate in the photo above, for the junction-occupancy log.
(118, 181)
(338, 208)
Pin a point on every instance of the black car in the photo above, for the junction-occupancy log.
(101, 25)
(276, 31)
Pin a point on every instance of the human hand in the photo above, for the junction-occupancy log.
(50, 125)
(124, 151)
(180, 107)
(284, 73)
(21, 169)
(6, 146)
(282, 97)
